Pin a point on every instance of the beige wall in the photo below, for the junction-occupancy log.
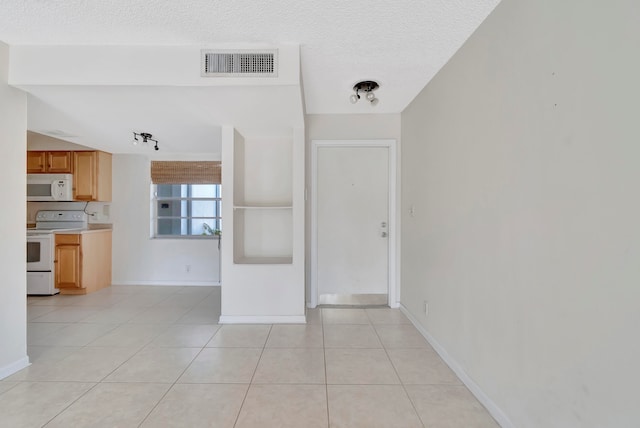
(36, 141)
(13, 318)
(522, 160)
(352, 126)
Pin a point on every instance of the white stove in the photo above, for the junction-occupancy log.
(41, 247)
(58, 220)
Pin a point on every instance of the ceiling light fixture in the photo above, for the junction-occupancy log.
(146, 137)
(366, 86)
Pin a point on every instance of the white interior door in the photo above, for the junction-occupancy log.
(352, 220)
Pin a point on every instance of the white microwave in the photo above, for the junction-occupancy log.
(49, 187)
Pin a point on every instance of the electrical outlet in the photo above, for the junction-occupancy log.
(426, 308)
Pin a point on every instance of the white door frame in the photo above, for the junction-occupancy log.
(393, 225)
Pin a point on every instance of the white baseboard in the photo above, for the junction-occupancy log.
(483, 398)
(262, 319)
(391, 305)
(14, 367)
(170, 283)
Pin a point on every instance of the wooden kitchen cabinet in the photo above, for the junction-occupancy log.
(83, 261)
(67, 261)
(92, 176)
(36, 162)
(49, 162)
(59, 162)
(91, 171)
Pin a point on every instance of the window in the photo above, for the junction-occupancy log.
(186, 199)
(187, 210)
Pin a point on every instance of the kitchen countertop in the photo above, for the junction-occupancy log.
(80, 231)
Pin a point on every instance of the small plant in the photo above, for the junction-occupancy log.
(208, 230)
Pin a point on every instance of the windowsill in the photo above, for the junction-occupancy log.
(190, 237)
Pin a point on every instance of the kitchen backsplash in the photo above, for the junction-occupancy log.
(99, 212)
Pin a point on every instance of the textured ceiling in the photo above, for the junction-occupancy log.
(399, 43)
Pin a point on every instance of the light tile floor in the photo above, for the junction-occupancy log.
(142, 356)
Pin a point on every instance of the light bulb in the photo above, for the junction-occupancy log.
(374, 101)
(135, 141)
(354, 98)
(370, 96)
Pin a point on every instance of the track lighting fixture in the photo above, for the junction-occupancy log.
(146, 137)
(366, 86)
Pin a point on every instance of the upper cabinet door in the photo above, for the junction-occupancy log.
(59, 162)
(91, 171)
(36, 162)
(91, 176)
(85, 178)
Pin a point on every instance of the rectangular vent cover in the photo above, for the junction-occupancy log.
(227, 63)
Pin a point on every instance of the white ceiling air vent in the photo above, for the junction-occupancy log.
(239, 63)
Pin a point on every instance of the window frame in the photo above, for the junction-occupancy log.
(217, 218)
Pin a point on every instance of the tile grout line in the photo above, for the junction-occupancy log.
(171, 385)
(326, 381)
(10, 388)
(271, 331)
(72, 403)
(246, 393)
(101, 381)
(404, 389)
(177, 378)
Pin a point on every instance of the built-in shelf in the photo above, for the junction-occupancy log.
(262, 233)
(262, 201)
(263, 268)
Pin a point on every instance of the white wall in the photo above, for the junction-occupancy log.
(13, 287)
(154, 65)
(138, 259)
(348, 127)
(267, 291)
(522, 160)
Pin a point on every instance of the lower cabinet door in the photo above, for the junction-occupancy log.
(67, 266)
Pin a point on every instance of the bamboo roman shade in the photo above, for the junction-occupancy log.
(186, 172)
